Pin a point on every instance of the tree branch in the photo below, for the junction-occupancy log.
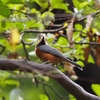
(44, 31)
(49, 70)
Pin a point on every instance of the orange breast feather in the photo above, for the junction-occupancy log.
(48, 57)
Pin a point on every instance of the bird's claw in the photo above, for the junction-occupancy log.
(46, 62)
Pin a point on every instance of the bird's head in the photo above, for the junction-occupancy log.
(42, 40)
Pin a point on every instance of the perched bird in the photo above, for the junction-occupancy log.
(49, 54)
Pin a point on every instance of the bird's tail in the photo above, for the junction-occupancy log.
(74, 63)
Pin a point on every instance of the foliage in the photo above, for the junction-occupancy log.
(96, 88)
(17, 16)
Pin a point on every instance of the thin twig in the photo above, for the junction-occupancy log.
(90, 43)
(26, 53)
(44, 87)
(60, 96)
(26, 43)
(36, 80)
(3, 48)
(93, 14)
(44, 31)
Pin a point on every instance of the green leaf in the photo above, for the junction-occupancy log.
(80, 63)
(3, 24)
(78, 27)
(8, 25)
(58, 4)
(76, 4)
(1, 95)
(47, 13)
(19, 25)
(88, 10)
(62, 41)
(1, 5)
(4, 75)
(4, 1)
(96, 88)
(42, 3)
(43, 97)
(5, 12)
(79, 5)
(46, 78)
(91, 60)
(72, 97)
(83, 4)
(16, 1)
(47, 18)
(55, 1)
(61, 6)
(12, 82)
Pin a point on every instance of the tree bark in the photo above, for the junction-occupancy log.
(48, 70)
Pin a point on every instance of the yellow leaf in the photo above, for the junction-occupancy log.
(15, 37)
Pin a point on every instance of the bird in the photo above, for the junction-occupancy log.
(49, 54)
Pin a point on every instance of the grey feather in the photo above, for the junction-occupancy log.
(51, 50)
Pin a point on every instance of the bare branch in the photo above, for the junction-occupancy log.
(46, 92)
(89, 21)
(93, 14)
(44, 31)
(70, 29)
(97, 3)
(49, 70)
(90, 43)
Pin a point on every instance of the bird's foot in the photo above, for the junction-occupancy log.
(46, 62)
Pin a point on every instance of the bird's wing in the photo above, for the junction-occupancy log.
(51, 50)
